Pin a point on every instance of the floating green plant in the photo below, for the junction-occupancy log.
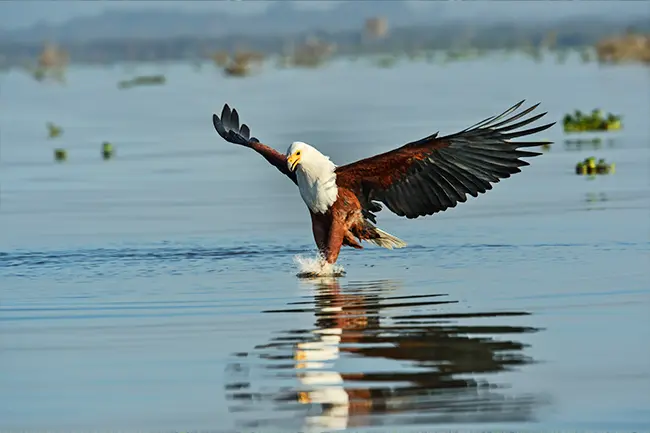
(53, 130)
(386, 61)
(237, 69)
(39, 74)
(107, 150)
(244, 63)
(145, 80)
(60, 155)
(595, 121)
(590, 167)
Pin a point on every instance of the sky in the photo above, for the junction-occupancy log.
(23, 13)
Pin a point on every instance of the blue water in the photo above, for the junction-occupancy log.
(158, 290)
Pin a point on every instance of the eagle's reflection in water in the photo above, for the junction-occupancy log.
(420, 364)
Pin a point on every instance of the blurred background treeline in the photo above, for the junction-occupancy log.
(112, 32)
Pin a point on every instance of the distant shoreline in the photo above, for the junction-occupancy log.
(411, 39)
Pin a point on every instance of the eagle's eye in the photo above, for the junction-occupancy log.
(298, 153)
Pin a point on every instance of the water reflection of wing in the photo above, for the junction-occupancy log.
(431, 361)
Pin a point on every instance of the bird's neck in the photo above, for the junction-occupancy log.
(317, 184)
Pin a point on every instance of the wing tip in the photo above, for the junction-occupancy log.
(218, 126)
(546, 126)
(229, 128)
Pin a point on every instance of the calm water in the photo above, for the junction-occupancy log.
(158, 290)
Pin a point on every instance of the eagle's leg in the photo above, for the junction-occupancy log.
(335, 241)
(350, 241)
(319, 226)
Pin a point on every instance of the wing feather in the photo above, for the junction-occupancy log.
(470, 183)
(436, 173)
(227, 126)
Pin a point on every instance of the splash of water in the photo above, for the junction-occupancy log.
(311, 267)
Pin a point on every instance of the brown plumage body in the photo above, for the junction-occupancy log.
(420, 178)
(340, 225)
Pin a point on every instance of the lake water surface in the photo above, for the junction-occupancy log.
(157, 291)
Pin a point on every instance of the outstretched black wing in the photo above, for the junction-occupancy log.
(228, 128)
(435, 173)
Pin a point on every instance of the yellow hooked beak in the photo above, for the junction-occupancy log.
(293, 160)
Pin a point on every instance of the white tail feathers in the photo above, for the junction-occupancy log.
(386, 240)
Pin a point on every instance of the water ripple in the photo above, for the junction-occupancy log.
(128, 255)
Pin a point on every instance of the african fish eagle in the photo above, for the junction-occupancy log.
(420, 178)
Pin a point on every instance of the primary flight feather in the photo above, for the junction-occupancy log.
(420, 178)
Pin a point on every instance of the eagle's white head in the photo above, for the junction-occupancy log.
(315, 174)
(307, 157)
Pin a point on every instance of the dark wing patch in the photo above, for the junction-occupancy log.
(229, 129)
(436, 173)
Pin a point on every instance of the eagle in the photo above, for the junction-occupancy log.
(420, 178)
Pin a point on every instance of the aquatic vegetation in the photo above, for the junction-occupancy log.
(312, 54)
(143, 80)
(42, 74)
(237, 70)
(414, 55)
(53, 131)
(52, 57)
(386, 61)
(590, 167)
(457, 55)
(60, 155)
(376, 28)
(39, 74)
(243, 63)
(107, 150)
(626, 48)
(595, 121)
(51, 63)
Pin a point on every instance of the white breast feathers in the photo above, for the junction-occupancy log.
(317, 182)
